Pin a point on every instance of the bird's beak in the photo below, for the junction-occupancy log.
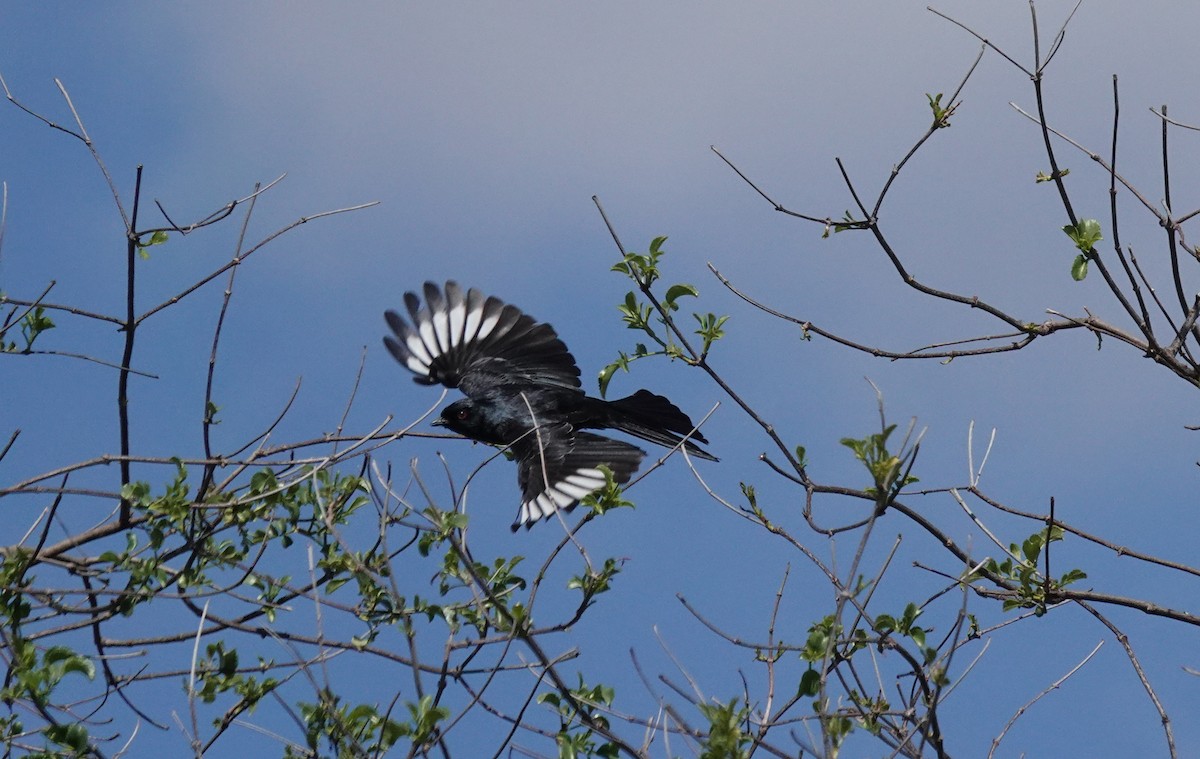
(439, 422)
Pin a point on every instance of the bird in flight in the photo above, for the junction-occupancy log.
(523, 393)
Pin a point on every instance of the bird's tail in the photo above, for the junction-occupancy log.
(654, 418)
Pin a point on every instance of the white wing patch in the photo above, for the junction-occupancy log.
(471, 319)
(561, 495)
(441, 325)
(425, 328)
(456, 324)
(440, 329)
(463, 335)
(487, 326)
(417, 366)
(419, 360)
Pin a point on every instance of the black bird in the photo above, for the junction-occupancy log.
(523, 392)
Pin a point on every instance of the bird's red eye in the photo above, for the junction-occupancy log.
(463, 414)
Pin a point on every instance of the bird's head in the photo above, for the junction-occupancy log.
(469, 419)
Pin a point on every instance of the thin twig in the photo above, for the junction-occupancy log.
(1049, 688)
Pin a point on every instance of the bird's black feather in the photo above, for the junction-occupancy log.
(523, 391)
(557, 466)
(476, 344)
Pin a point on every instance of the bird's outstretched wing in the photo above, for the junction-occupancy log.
(558, 466)
(477, 343)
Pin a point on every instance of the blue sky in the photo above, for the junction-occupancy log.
(484, 130)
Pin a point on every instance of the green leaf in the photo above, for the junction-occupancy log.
(1032, 547)
(1072, 576)
(74, 737)
(712, 328)
(1079, 267)
(675, 292)
(69, 661)
(643, 267)
(801, 456)
(848, 222)
(885, 623)
(1085, 234)
(229, 663)
(918, 636)
(81, 665)
(726, 739)
(606, 498)
(606, 375)
(33, 324)
(810, 683)
(636, 315)
(751, 495)
(941, 116)
(1044, 177)
(158, 238)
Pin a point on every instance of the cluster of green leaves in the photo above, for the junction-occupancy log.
(848, 222)
(712, 329)
(481, 612)
(33, 324)
(14, 584)
(905, 624)
(1085, 234)
(643, 267)
(270, 590)
(640, 315)
(941, 114)
(304, 506)
(460, 575)
(1020, 566)
(217, 673)
(442, 526)
(822, 645)
(750, 493)
(827, 645)
(33, 677)
(575, 740)
(219, 533)
(157, 238)
(460, 604)
(609, 497)
(728, 737)
(1044, 177)
(824, 637)
(883, 465)
(594, 581)
(868, 711)
(369, 570)
(361, 730)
